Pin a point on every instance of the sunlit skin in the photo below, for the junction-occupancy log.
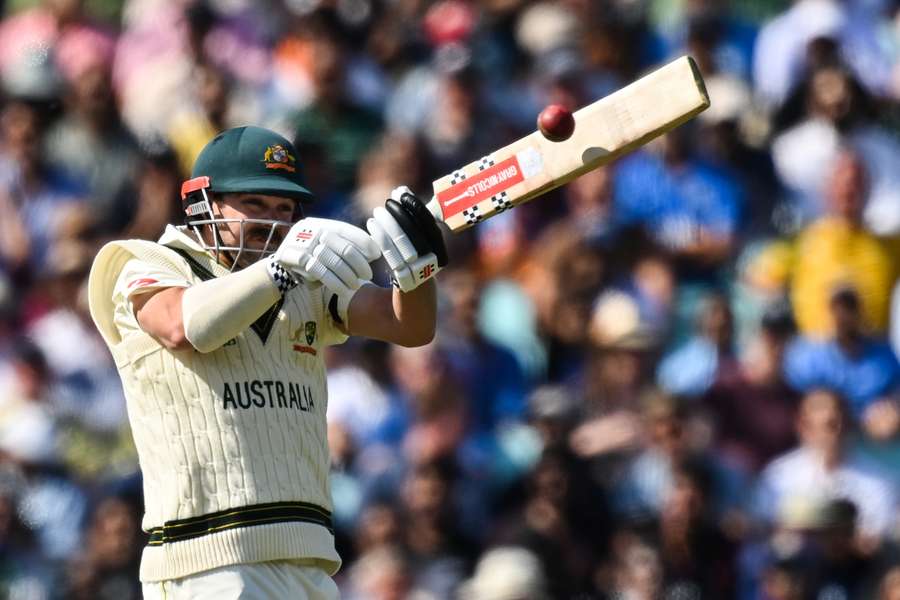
(236, 207)
(848, 189)
(821, 425)
(405, 319)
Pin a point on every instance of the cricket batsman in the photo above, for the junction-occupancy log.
(218, 332)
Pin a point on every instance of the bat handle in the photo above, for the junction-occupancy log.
(434, 207)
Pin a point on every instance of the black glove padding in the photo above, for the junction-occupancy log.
(419, 225)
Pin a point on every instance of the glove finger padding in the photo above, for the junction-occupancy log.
(409, 226)
(350, 254)
(352, 234)
(424, 223)
(391, 254)
(409, 238)
(317, 271)
(335, 264)
(401, 274)
(402, 242)
(331, 252)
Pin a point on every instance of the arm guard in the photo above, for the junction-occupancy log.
(217, 310)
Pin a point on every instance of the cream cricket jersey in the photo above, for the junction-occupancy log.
(232, 444)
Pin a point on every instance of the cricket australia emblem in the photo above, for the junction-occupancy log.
(306, 333)
(278, 157)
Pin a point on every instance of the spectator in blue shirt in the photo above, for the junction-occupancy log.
(706, 358)
(863, 369)
(494, 384)
(690, 207)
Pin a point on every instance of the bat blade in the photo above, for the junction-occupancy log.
(604, 131)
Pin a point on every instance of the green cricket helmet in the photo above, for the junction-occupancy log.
(242, 160)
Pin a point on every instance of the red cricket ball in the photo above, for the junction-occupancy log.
(556, 123)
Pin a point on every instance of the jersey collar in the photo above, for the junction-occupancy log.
(177, 237)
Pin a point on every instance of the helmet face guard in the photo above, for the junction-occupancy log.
(198, 213)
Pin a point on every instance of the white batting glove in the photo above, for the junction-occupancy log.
(334, 253)
(409, 239)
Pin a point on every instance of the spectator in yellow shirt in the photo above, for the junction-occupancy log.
(836, 250)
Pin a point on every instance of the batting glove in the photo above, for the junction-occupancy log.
(409, 238)
(334, 253)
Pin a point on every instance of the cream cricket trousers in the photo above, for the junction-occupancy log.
(277, 580)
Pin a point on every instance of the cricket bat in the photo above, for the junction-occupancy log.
(604, 131)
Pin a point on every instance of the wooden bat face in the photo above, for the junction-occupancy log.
(604, 131)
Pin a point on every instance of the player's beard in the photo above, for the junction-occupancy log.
(260, 240)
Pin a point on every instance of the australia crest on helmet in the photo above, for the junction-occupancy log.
(277, 156)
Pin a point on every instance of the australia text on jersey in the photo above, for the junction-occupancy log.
(267, 393)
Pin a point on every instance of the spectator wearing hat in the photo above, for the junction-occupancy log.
(621, 355)
(383, 573)
(820, 539)
(506, 573)
(553, 410)
(863, 369)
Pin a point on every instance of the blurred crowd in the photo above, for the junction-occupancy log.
(674, 378)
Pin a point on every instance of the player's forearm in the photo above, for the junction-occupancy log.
(389, 315)
(415, 313)
(206, 315)
(217, 310)
(159, 314)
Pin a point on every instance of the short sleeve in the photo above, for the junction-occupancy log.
(140, 277)
(802, 366)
